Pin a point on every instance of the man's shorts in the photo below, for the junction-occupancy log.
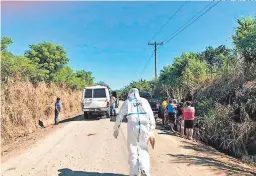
(189, 124)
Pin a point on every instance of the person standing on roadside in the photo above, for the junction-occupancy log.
(57, 111)
(180, 119)
(112, 105)
(172, 113)
(189, 117)
(163, 108)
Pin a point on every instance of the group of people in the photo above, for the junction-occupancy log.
(141, 125)
(179, 116)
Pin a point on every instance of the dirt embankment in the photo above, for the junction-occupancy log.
(26, 107)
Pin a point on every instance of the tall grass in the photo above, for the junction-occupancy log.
(24, 104)
(226, 112)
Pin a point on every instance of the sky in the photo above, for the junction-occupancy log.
(110, 39)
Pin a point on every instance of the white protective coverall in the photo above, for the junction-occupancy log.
(140, 126)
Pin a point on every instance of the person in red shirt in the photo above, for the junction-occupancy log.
(188, 117)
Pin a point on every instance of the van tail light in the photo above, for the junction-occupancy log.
(108, 104)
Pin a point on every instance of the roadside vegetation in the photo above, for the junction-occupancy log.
(223, 81)
(30, 85)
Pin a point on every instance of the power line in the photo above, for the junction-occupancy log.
(170, 18)
(147, 63)
(182, 28)
(178, 32)
(192, 18)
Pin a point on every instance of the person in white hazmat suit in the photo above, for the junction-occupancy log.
(140, 127)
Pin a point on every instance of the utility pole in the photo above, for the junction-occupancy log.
(155, 44)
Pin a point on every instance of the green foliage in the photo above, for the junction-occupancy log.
(245, 41)
(212, 55)
(187, 72)
(43, 62)
(142, 85)
(245, 38)
(103, 83)
(48, 56)
(245, 26)
(247, 46)
(78, 80)
(5, 42)
(63, 75)
(13, 66)
(195, 72)
(203, 107)
(85, 76)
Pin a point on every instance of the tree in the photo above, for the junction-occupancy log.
(48, 56)
(63, 75)
(212, 55)
(86, 76)
(18, 66)
(5, 42)
(245, 38)
(245, 26)
(141, 85)
(245, 41)
(247, 46)
(78, 80)
(103, 83)
(188, 72)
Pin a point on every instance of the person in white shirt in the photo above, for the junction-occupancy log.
(140, 128)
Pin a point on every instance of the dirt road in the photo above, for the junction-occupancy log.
(87, 148)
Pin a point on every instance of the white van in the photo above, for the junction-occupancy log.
(96, 101)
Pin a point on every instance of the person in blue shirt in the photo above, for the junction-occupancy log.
(171, 107)
(57, 111)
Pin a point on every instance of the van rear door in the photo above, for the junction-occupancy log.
(87, 97)
(95, 98)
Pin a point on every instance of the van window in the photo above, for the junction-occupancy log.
(88, 93)
(99, 93)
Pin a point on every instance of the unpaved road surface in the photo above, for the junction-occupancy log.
(87, 148)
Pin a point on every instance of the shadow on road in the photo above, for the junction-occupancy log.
(208, 150)
(77, 118)
(214, 164)
(164, 130)
(69, 172)
(202, 148)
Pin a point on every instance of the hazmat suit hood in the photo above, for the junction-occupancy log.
(133, 93)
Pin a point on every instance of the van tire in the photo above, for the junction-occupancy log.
(86, 115)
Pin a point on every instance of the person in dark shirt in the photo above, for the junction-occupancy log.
(180, 123)
(57, 111)
(189, 96)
